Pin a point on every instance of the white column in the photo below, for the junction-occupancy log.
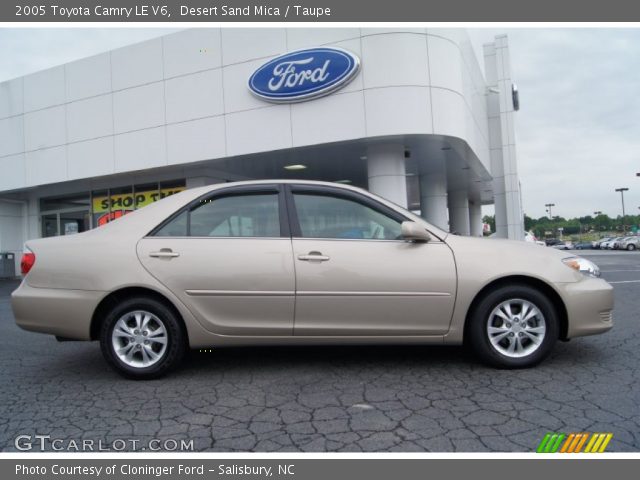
(459, 212)
(387, 174)
(433, 194)
(502, 146)
(475, 218)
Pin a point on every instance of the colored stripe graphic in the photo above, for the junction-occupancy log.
(598, 442)
(543, 443)
(570, 439)
(606, 441)
(556, 445)
(554, 442)
(550, 443)
(581, 443)
(590, 443)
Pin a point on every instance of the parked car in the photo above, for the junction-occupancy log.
(614, 243)
(300, 263)
(583, 246)
(598, 243)
(563, 245)
(630, 243)
(550, 242)
(531, 238)
(608, 245)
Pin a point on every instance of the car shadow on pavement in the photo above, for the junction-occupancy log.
(83, 360)
(327, 356)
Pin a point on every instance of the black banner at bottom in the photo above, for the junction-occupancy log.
(556, 466)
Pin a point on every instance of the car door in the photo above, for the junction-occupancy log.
(228, 258)
(356, 276)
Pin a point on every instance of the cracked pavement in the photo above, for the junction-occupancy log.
(406, 399)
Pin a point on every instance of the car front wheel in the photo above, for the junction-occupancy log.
(142, 339)
(513, 327)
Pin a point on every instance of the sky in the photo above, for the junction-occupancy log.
(577, 131)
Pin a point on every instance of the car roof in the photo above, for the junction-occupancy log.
(157, 212)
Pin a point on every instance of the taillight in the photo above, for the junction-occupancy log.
(27, 262)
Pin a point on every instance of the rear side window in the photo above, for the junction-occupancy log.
(176, 227)
(251, 215)
(237, 216)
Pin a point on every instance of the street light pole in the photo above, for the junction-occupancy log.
(622, 190)
(549, 205)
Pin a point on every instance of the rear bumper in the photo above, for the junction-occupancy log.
(60, 312)
(589, 304)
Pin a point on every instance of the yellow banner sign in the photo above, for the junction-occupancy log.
(130, 201)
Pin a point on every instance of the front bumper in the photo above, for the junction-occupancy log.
(589, 304)
(60, 312)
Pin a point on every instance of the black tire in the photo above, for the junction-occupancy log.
(176, 341)
(477, 336)
(631, 247)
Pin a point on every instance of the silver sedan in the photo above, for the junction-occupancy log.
(291, 263)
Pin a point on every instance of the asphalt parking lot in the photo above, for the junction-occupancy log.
(332, 399)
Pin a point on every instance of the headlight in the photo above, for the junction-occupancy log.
(582, 265)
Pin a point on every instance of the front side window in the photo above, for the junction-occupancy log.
(253, 215)
(323, 216)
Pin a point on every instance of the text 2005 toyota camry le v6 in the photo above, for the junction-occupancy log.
(281, 262)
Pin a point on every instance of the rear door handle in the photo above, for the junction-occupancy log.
(164, 253)
(314, 257)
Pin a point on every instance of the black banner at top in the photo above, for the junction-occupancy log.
(319, 11)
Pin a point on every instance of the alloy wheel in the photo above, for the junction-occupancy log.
(139, 339)
(516, 328)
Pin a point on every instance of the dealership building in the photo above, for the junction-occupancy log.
(416, 120)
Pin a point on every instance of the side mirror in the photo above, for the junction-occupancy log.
(413, 232)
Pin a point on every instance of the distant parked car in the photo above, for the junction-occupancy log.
(531, 238)
(603, 244)
(615, 245)
(583, 246)
(630, 243)
(598, 243)
(609, 245)
(563, 246)
(550, 242)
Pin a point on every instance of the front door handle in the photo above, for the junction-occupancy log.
(164, 253)
(314, 257)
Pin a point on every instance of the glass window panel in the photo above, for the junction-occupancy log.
(323, 216)
(49, 225)
(237, 216)
(74, 222)
(172, 187)
(175, 228)
(79, 201)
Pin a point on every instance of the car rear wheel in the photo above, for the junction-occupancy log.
(631, 247)
(142, 339)
(513, 327)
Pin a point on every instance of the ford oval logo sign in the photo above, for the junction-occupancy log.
(304, 74)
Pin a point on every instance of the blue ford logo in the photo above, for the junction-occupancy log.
(304, 74)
